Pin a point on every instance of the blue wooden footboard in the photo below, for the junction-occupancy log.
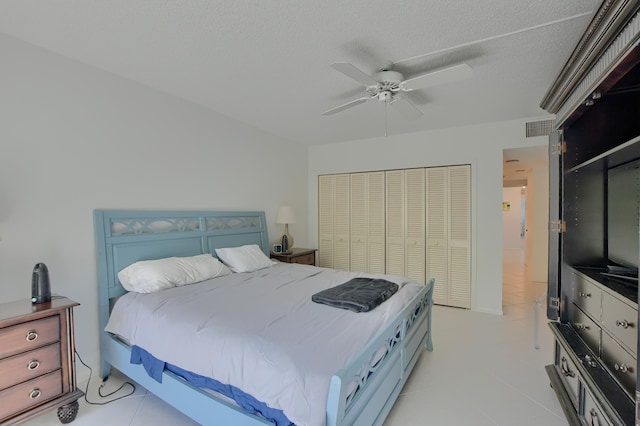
(360, 394)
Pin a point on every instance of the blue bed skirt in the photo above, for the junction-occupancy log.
(154, 367)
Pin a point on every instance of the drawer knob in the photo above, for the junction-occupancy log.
(32, 336)
(589, 362)
(582, 326)
(35, 393)
(624, 324)
(622, 368)
(33, 364)
(584, 294)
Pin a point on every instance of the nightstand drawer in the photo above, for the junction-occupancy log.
(28, 394)
(27, 365)
(308, 259)
(29, 335)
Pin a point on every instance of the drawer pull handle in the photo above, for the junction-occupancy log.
(622, 368)
(584, 294)
(564, 368)
(582, 326)
(35, 393)
(624, 324)
(595, 421)
(33, 364)
(32, 336)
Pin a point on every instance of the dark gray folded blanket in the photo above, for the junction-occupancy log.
(357, 294)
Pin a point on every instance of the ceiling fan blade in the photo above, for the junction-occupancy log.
(351, 71)
(446, 75)
(406, 107)
(347, 105)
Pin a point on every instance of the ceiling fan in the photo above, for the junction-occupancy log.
(388, 86)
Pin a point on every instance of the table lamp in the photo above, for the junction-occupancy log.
(285, 216)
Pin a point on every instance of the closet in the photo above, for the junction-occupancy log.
(410, 222)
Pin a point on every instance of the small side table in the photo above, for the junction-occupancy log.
(303, 256)
(37, 360)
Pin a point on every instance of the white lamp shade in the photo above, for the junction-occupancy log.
(285, 215)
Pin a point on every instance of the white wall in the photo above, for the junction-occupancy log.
(481, 146)
(75, 139)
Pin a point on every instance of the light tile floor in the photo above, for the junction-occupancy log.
(484, 370)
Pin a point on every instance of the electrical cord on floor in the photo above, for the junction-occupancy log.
(86, 391)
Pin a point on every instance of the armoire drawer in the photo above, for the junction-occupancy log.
(621, 320)
(620, 363)
(30, 393)
(587, 295)
(592, 413)
(27, 365)
(587, 329)
(568, 373)
(29, 335)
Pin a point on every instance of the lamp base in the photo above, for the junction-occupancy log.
(289, 240)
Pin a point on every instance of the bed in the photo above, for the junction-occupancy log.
(360, 392)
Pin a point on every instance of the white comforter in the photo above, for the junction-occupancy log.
(258, 331)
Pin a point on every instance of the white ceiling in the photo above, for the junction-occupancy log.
(267, 63)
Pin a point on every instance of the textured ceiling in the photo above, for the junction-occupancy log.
(267, 63)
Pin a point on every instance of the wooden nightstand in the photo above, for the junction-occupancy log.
(37, 360)
(298, 255)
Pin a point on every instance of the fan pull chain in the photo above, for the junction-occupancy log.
(385, 119)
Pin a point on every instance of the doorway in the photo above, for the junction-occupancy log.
(525, 224)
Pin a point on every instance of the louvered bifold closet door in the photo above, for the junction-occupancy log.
(395, 243)
(415, 224)
(376, 252)
(367, 222)
(359, 221)
(437, 228)
(459, 236)
(326, 190)
(341, 246)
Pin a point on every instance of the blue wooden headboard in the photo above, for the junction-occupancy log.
(126, 236)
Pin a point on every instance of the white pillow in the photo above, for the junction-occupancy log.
(247, 258)
(147, 276)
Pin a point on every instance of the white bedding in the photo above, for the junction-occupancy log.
(258, 331)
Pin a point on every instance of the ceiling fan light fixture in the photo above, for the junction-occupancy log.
(385, 96)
